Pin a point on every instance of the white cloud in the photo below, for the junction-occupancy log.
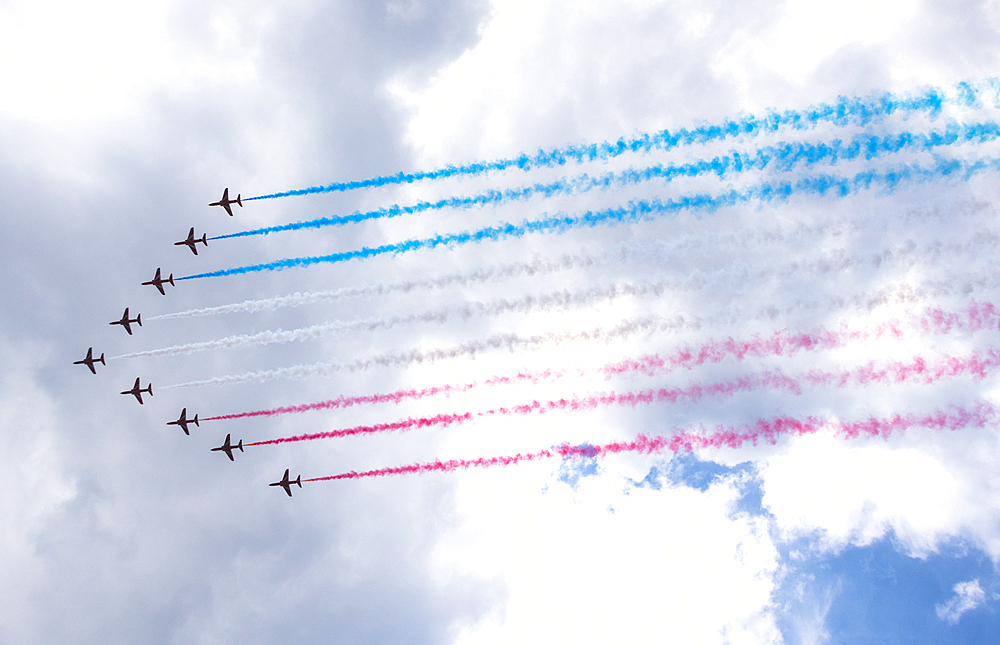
(610, 563)
(968, 596)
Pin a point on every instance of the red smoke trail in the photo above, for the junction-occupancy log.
(768, 430)
(397, 396)
(439, 420)
(915, 371)
(979, 316)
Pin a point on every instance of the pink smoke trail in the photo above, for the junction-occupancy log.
(395, 397)
(918, 370)
(978, 317)
(897, 372)
(768, 430)
(406, 424)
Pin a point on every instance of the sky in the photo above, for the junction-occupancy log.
(640, 322)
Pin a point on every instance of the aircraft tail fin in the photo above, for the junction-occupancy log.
(149, 388)
(240, 446)
(204, 239)
(102, 359)
(171, 280)
(138, 319)
(238, 200)
(195, 419)
(298, 480)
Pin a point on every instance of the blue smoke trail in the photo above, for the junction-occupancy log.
(858, 110)
(782, 157)
(644, 210)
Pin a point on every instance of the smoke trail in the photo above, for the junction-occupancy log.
(732, 437)
(662, 252)
(978, 317)
(917, 370)
(509, 342)
(782, 157)
(526, 304)
(395, 397)
(538, 266)
(644, 210)
(857, 110)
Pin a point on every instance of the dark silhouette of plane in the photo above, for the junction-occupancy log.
(136, 391)
(183, 421)
(191, 241)
(287, 484)
(228, 448)
(90, 360)
(225, 202)
(126, 321)
(158, 282)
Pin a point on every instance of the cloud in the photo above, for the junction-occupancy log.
(968, 596)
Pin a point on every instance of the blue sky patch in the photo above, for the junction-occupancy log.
(878, 594)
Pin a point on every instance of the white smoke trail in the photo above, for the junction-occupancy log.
(510, 342)
(905, 254)
(538, 266)
(633, 251)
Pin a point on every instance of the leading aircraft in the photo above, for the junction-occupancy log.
(126, 321)
(90, 360)
(225, 202)
(158, 282)
(287, 484)
(228, 448)
(137, 391)
(191, 241)
(183, 421)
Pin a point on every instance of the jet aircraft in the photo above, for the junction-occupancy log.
(183, 421)
(126, 321)
(228, 448)
(225, 202)
(158, 282)
(90, 360)
(287, 484)
(137, 391)
(192, 241)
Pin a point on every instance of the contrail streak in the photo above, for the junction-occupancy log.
(395, 397)
(523, 305)
(979, 316)
(660, 252)
(768, 430)
(782, 157)
(917, 370)
(857, 110)
(643, 210)
(538, 266)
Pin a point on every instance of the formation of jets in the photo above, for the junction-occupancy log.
(137, 390)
